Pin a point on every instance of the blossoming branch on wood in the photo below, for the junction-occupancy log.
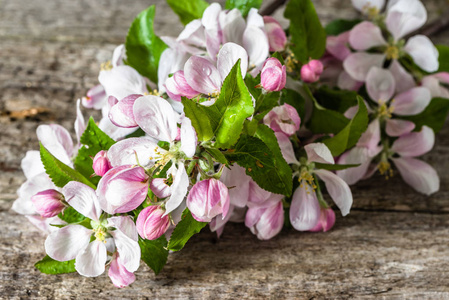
(234, 120)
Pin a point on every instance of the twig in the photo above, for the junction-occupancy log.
(272, 7)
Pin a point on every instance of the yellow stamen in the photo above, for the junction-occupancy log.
(100, 234)
(385, 111)
(385, 169)
(291, 62)
(392, 52)
(106, 66)
(371, 11)
(306, 176)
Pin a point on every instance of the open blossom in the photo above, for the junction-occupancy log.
(115, 234)
(283, 119)
(311, 71)
(152, 223)
(207, 199)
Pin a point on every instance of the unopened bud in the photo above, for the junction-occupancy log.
(311, 72)
(48, 203)
(151, 222)
(273, 75)
(101, 163)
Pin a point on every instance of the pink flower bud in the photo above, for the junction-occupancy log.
(283, 119)
(265, 222)
(48, 203)
(273, 76)
(311, 72)
(326, 221)
(151, 223)
(276, 35)
(177, 87)
(207, 199)
(101, 163)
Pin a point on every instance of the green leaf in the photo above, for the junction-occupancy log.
(334, 167)
(243, 5)
(70, 215)
(231, 109)
(308, 37)
(50, 266)
(433, 116)
(94, 140)
(188, 10)
(326, 121)
(349, 136)
(443, 58)
(143, 46)
(60, 173)
(154, 253)
(185, 229)
(294, 99)
(340, 25)
(196, 113)
(217, 155)
(261, 164)
(338, 100)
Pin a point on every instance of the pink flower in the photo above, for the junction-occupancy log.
(207, 199)
(273, 76)
(311, 71)
(177, 87)
(118, 273)
(265, 222)
(121, 113)
(276, 35)
(283, 119)
(48, 203)
(152, 223)
(101, 163)
(326, 222)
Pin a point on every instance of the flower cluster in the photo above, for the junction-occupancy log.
(234, 120)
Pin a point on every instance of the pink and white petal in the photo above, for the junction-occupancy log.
(238, 184)
(118, 55)
(228, 56)
(23, 205)
(286, 148)
(338, 45)
(188, 138)
(114, 132)
(171, 60)
(128, 250)
(397, 127)
(346, 82)
(363, 5)
(404, 80)
(95, 97)
(380, 84)
(80, 124)
(411, 102)
(418, 174)
(210, 16)
(357, 155)
(121, 114)
(404, 17)
(366, 35)
(432, 83)
(233, 25)
(304, 210)
(318, 152)
(126, 225)
(256, 43)
(65, 244)
(202, 75)
(83, 199)
(423, 52)
(133, 151)
(193, 34)
(31, 164)
(122, 81)
(178, 189)
(338, 189)
(270, 223)
(415, 143)
(57, 140)
(358, 64)
(91, 262)
(160, 188)
(156, 117)
(118, 274)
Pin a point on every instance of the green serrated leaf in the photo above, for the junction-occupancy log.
(94, 140)
(243, 5)
(188, 10)
(60, 173)
(338, 100)
(308, 38)
(50, 266)
(217, 155)
(334, 167)
(349, 136)
(154, 253)
(340, 25)
(261, 164)
(433, 116)
(196, 113)
(143, 46)
(294, 99)
(70, 215)
(185, 229)
(231, 109)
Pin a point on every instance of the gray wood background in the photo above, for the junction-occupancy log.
(393, 245)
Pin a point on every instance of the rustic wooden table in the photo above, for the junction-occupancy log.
(393, 245)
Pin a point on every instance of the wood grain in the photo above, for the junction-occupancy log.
(394, 244)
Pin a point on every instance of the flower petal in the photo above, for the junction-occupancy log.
(286, 148)
(126, 225)
(366, 35)
(133, 151)
(118, 274)
(188, 138)
(305, 210)
(338, 189)
(363, 5)
(357, 155)
(128, 250)
(178, 189)
(404, 17)
(358, 64)
(228, 56)
(256, 43)
(91, 262)
(237, 181)
(411, 102)
(122, 81)
(423, 52)
(380, 84)
(121, 114)
(57, 140)
(404, 80)
(318, 152)
(202, 75)
(415, 143)
(65, 244)
(396, 127)
(233, 25)
(83, 199)
(418, 174)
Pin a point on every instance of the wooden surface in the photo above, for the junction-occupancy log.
(393, 245)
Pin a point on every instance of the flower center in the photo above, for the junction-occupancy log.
(371, 11)
(308, 177)
(100, 234)
(385, 111)
(392, 52)
(385, 169)
(291, 62)
(106, 66)
(154, 92)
